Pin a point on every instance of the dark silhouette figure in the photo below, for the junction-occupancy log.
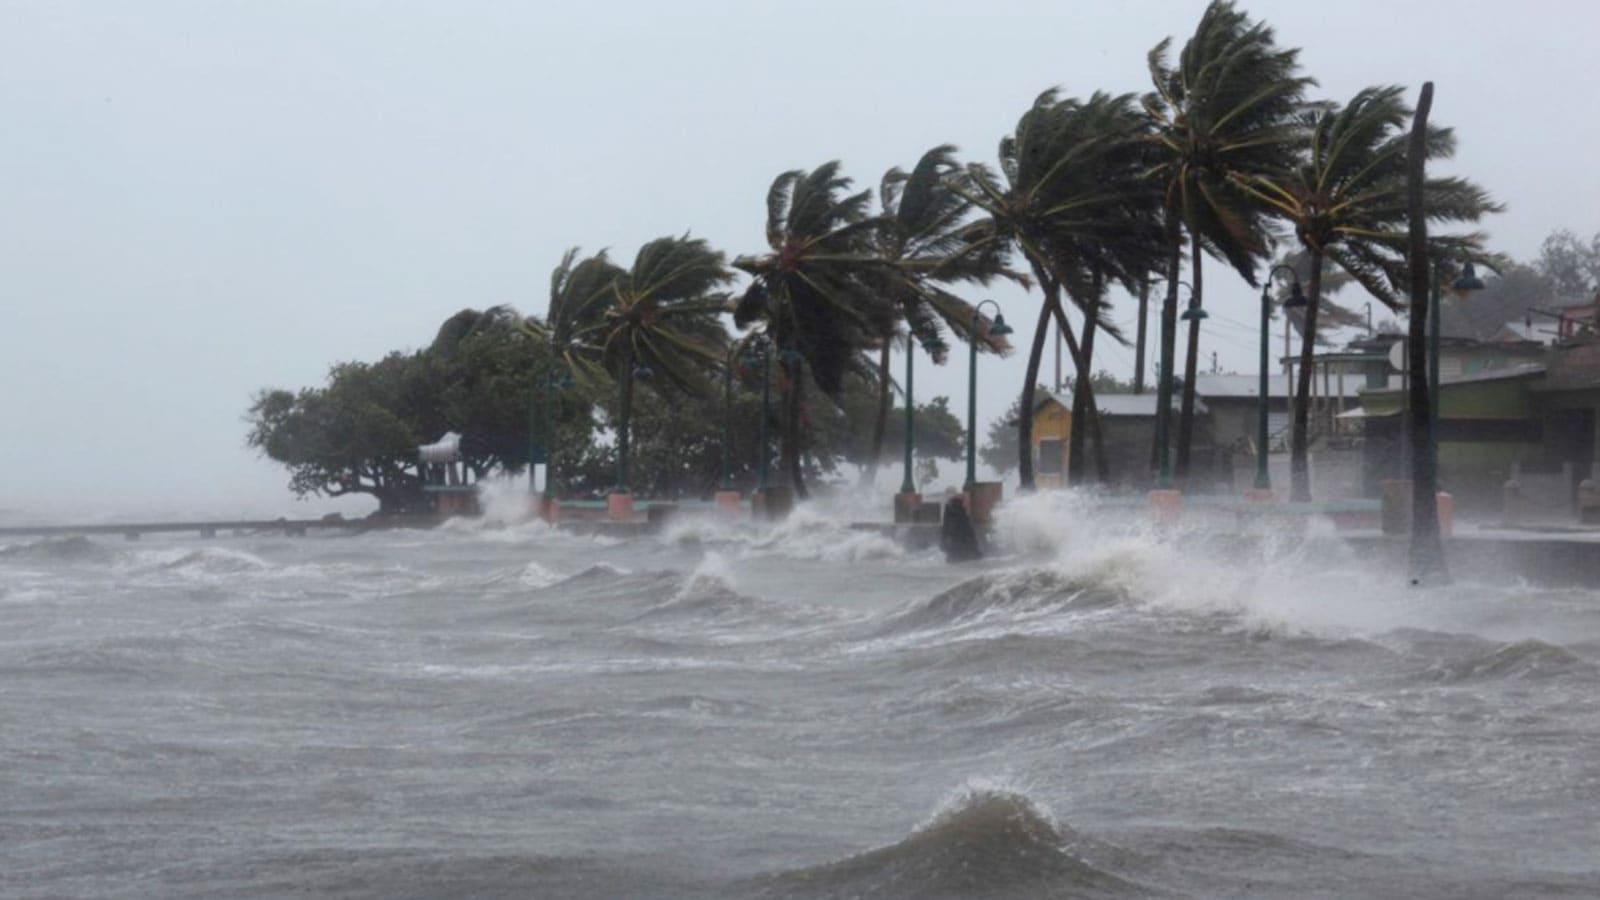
(957, 538)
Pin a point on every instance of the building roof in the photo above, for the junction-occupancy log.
(1131, 405)
(1524, 370)
(446, 449)
(1233, 387)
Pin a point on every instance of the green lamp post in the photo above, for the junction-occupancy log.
(1297, 300)
(1164, 389)
(1467, 281)
(642, 373)
(998, 328)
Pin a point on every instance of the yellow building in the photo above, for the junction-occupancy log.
(1052, 438)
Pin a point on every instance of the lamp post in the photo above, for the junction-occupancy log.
(643, 373)
(1468, 280)
(1164, 396)
(998, 328)
(727, 417)
(1297, 299)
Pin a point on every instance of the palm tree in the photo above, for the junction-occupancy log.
(1226, 109)
(659, 317)
(1347, 203)
(580, 289)
(921, 238)
(813, 292)
(1072, 198)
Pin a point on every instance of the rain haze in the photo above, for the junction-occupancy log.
(203, 200)
(1139, 681)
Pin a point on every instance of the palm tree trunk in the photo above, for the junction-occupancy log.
(1299, 441)
(1083, 406)
(791, 428)
(1427, 550)
(881, 423)
(1035, 356)
(1082, 361)
(1186, 413)
(1139, 340)
(624, 426)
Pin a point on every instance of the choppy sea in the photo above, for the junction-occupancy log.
(505, 710)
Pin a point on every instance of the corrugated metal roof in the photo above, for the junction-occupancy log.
(1122, 404)
(1220, 387)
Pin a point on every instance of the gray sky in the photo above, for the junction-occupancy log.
(199, 199)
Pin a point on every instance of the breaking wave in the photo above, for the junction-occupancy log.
(75, 548)
(1528, 659)
(987, 841)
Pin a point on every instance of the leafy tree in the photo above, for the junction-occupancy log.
(358, 433)
(1346, 200)
(1225, 110)
(812, 294)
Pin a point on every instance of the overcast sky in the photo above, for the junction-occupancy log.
(200, 199)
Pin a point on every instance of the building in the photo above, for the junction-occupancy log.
(1127, 427)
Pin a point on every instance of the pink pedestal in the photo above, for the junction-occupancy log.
(1260, 495)
(1166, 505)
(619, 507)
(1447, 514)
(727, 503)
(549, 508)
(906, 506)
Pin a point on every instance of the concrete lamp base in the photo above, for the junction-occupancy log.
(727, 504)
(1166, 506)
(619, 507)
(906, 506)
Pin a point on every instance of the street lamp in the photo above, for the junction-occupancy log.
(643, 373)
(1164, 389)
(998, 328)
(759, 352)
(1297, 300)
(934, 346)
(727, 416)
(1467, 281)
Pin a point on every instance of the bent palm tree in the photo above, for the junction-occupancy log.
(812, 293)
(1071, 197)
(1347, 204)
(1225, 110)
(663, 321)
(921, 238)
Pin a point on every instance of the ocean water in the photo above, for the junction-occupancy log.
(489, 710)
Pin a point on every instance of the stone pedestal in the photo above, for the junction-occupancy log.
(619, 507)
(982, 500)
(726, 504)
(906, 506)
(773, 503)
(1260, 495)
(1166, 505)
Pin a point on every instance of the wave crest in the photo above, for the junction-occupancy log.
(986, 841)
(1520, 660)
